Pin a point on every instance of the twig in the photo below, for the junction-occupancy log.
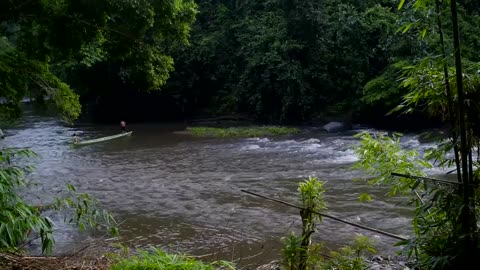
(425, 179)
(28, 242)
(77, 252)
(326, 256)
(248, 257)
(328, 216)
(449, 172)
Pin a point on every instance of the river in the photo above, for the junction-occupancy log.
(182, 193)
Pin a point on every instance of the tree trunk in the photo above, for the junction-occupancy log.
(468, 219)
(451, 108)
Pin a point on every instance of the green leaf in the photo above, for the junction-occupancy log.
(400, 5)
(365, 197)
(423, 33)
(407, 27)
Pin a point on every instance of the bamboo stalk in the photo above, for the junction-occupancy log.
(329, 216)
(426, 179)
(451, 111)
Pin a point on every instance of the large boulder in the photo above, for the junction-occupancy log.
(335, 127)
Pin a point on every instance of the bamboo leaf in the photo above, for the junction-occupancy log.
(424, 33)
(365, 197)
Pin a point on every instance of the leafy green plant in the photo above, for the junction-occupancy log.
(84, 211)
(313, 202)
(352, 257)
(445, 221)
(157, 259)
(311, 195)
(437, 220)
(296, 249)
(380, 155)
(291, 250)
(19, 219)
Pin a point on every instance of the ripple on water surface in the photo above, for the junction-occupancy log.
(169, 188)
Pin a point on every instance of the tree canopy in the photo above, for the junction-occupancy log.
(293, 60)
(276, 61)
(44, 41)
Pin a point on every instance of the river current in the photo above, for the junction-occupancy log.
(181, 193)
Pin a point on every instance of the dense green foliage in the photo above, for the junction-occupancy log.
(446, 213)
(380, 155)
(245, 132)
(284, 61)
(276, 61)
(290, 61)
(437, 220)
(44, 44)
(157, 259)
(352, 257)
(17, 217)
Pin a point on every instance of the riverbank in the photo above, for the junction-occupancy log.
(374, 263)
(11, 261)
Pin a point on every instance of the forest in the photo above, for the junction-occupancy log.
(275, 61)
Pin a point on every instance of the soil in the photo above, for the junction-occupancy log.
(16, 262)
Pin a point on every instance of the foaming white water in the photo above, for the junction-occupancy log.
(347, 156)
(260, 140)
(312, 147)
(328, 149)
(251, 147)
(320, 150)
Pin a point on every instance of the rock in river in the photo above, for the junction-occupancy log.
(335, 127)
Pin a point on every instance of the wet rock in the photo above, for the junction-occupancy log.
(333, 127)
(374, 263)
(275, 265)
(388, 263)
(377, 259)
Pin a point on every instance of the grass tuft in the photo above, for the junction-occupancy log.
(158, 260)
(245, 132)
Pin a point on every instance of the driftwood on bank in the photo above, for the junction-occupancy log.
(391, 235)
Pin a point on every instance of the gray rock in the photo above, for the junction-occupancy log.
(377, 259)
(335, 127)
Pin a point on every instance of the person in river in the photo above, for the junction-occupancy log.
(123, 126)
(75, 138)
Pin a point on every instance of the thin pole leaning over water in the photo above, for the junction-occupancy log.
(328, 216)
(427, 179)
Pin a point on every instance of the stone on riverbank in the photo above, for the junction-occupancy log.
(375, 263)
(333, 127)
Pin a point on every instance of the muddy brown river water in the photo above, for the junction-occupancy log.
(180, 193)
